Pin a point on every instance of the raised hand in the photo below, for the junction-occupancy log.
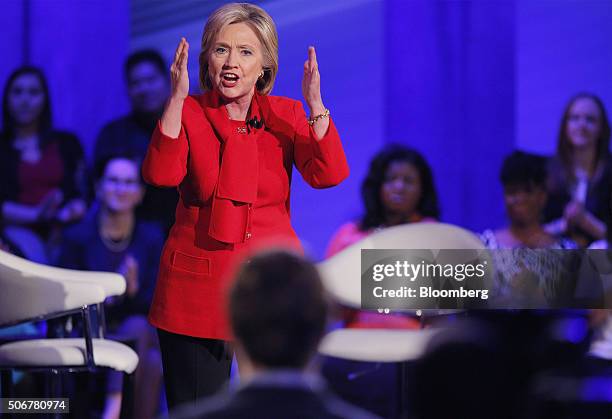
(311, 83)
(574, 213)
(171, 118)
(129, 269)
(178, 71)
(73, 210)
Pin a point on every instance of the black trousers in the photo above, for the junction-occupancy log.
(193, 367)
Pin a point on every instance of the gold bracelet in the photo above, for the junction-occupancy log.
(315, 118)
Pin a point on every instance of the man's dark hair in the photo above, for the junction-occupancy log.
(144, 56)
(524, 170)
(278, 309)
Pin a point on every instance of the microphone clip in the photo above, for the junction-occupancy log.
(255, 123)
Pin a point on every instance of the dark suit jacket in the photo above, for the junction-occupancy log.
(273, 402)
(599, 194)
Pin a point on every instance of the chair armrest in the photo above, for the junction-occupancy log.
(112, 282)
(27, 297)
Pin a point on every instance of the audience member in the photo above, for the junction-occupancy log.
(601, 343)
(520, 270)
(399, 188)
(148, 88)
(602, 319)
(601, 280)
(112, 238)
(40, 168)
(523, 177)
(480, 367)
(580, 182)
(278, 312)
(464, 377)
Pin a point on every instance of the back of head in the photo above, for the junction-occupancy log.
(278, 309)
(466, 374)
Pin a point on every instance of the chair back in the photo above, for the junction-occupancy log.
(341, 273)
(29, 290)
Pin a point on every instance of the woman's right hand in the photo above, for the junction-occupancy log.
(178, 72)
(171, 118)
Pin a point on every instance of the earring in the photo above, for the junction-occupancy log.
(261, 74)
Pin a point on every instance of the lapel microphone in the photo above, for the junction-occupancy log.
(255, 123)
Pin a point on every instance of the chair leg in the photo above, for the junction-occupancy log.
(6, 383)
(55, 384)
(127, 397)
(6, 387)
(402, 390)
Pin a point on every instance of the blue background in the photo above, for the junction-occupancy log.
(464, 82)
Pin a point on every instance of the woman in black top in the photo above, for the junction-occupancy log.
(580, 183)
(40, 168)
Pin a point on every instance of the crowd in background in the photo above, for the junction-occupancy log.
(58, 208)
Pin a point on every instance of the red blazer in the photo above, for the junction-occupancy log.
(195, 268)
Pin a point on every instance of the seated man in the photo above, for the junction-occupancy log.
(147, 88)
(278, 313)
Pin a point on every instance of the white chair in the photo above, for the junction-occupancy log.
(341, 275)
(376, 345)
(32, 292)
(379, 347)
(601, 347)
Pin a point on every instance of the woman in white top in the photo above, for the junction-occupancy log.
(526, 275)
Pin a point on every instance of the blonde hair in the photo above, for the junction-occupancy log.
(263, 26)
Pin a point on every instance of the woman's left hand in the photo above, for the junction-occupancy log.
(311, 84)
(311, 89)
(574, 213)
(578, 216)
(72, 211)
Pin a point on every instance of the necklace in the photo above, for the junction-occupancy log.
(112, 244)
(116, 245)
(29, 149)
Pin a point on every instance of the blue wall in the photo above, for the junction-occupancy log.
(350, 44)
(462, 81)
(563, 47)
(81, 47)
(450, 94)
(351, 62)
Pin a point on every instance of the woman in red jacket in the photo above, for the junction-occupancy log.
(230, 151)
